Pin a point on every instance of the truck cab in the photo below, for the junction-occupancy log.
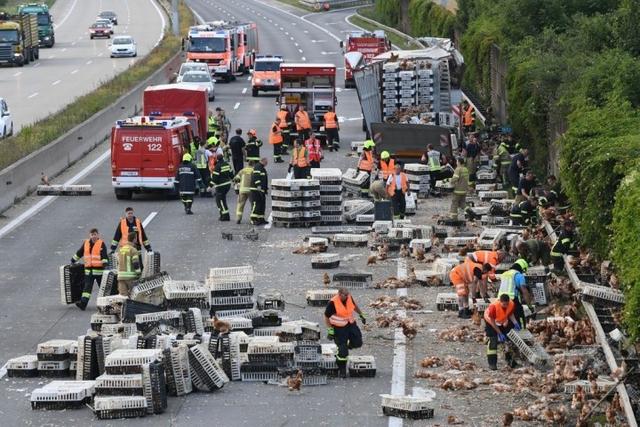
(266, 74)
(46, 34)
(145, 154)
(18, 39)
(360, 47)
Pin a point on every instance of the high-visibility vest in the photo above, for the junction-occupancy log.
(463, 272)
(282, 115)
(469, 116)
(92, 255)
(274, 135)
(391, 187)
(330, 120)
(127, 255)
(434, 160)
(211, 163)
(201, 158)
(314, 149)
(387, 168)
(344, 312)
(302, 121)
(245, 176)
(461, 180)
(212, 124)
(502, 314)
(300, 157)
(124, 230)
(366, 161)
(508, 283)
(486, 257)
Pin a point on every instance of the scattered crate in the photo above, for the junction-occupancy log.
(344, 240)
(539, 293)
(54, 350)
(183, 294)
(148, 322)
(240, 324)
(460, 241)
(361, 366)
(119, 385)
(486, 176)
(54, 369)
(400, 233)
(63, 190)
(601, 294)
(87, 361)
(352, 280)
(325, 261)
(231, 303)
(420, 245)
(206, 373)
(63, 395)
(114, 407)
(320, 297)
(131, 308)
(492, 195)
(447, 301)
(176, 367)
(150, 264)
(414, 408)
(310, 376)
(155, 387)
(231, 274)
(23, 367)
(259, 371)
(192, 319)
(448, 222)
(111, 304)
(333, 229)
(230, 289)
(149, 289)
(490, 237)
(270, 351)
(105, 345)
(486, 187)
(271, 300)
(535, 354)
(604, 384)
(382, 227)
(71, 283)
(367, 219)
(97, 320)
(108, 284)
(128, 361)
(310, 330)
(481, 305)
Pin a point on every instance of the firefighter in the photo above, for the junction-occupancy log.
(524, 213)
(503, 160)
(314, 151)
(464, 277)
(303, 123)
(127, 224)
(224, 125)
(212, 125)
(236, 145)
(366, 164)
(285, 127)
(276, 139)
(243, 178)
(460, 181)
(129, 265)
(498, 318)
(259, 188)
(516, 168)
(433, 159)
(187, 181)
(342, 327)
(252, 147)
(299, 161)
(221, 178)
(534, 251)
(566, 243)
(331, 128)
(525, 187)
(94, 254)
(202, 164)
(514, 284)
(492, 258)
(397, 188)
(472, 151)
(387, 165)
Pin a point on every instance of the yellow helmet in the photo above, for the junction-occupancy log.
(385, 155)
(186, 157)
(524, 265)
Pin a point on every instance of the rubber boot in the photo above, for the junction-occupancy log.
(189, 209)
(342, 369)
(82, 304)
(461, 314)
(467, 312)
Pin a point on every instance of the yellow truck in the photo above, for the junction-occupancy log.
(18, 39)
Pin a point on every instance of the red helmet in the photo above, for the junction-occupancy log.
(252, 132)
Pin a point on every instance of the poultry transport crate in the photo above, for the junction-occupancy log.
(486, 187)
(601, 295)
(307, 352)
(193, 322)
(325, 261)
(150, 264)
(409, 407)
(111, 304)
(105, 345)
(183, 294)
(176, 368)
(365, 219)
(148, 322)
(119, 385)
(108, 284)
(241, 287)
(382, 227)
(459, 241)
(344, 240)
(310, 376)
(62, 395)
(149, 289)
(267, 318)
(64, 190)
(97, 320)
(448, 222)
(320, 297)
(334, 229)
(361, 366)
(130, 361)
(231, 303)
(131, 308)
(486, 176)
(231, 274)
(240, 324)
(353, 280)
(604, 384)
(534, 353)
(492, 195)
(481, 305)
(539, 292)
(247, 313)
(114, 407)
(239, 233)
(155, 387)
(310, 330)
(23, 366)
(87, 362)
(259, 371)
(71, 283)
(264, 351)
(447, 301)
(54, 369)
(206, 372)
(420, 245)
(54, 350)
(490, 237)
(400, 234)
(271, 300)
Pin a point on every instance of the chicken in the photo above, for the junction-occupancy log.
(295, 383)
(507, 419)
(431, 362)
(578, 398)
(476, 318)
(44, 179)
(371, 260)
(453, 420)
(221, 326)
(326, 279)
(306, 250)
(383, 252)
(418, 253)
(404, 251)
(409, 328)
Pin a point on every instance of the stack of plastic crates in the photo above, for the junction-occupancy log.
(153, 323)
(183, 294)
(270, 349)
(330, 180)
(356, 207)
(320, 297)
(295, 202)
(71, 283)
(361, 366)
(271, 300)
(352, 280)
(111, 305)
(114, 407)
(206, 373)
(414, 408)
(355, 183)
(149, 289)
(231, 288)
(23, 366)
(123, 329)
(176, 368)
(328, 359)
(418, 177)
(308, 359)
(53, 358)
(63, 395)
(150, 264)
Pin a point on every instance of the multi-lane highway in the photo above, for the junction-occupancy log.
(30, 311)
(76, 64)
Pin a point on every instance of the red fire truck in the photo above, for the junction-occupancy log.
(311, 85)
(167, 101)
(229, 49)
(361, 47)
(146, 152)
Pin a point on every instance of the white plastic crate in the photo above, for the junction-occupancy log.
(603, 293)
(325, 258)
(447, 301)
(486, 187)
(27, 362)
(317, 241)
(491, 195)
(108, 283)
(354, 177)
(241, 285)
(177, 370)
(270, 300)
(113, 407)
(245, 301)
(536, 355)
(53, 365)
(382, 227)
(420, 244)
(120, 382)
(480, 303)
(539, 293)
(62, 395)
(402, 223)
(99, 319)
(59, 348)
(148, 288)
(262, 347)
(349, 239)
(490, 237)
(150, 263)
(129, 357)
(193, 321)
(400, 233)
(486, 175)
(174, 315)
(320, 296)
(219, 274)
(243, 312)
(604, 384)
(111, 304)
(206, 372)
(181, 289)
(407, 406)
(239, 323)
(459, 241)
(123, 329)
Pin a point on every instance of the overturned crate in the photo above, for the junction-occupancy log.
(601, 295)
(71, 283)
(320, 297)
(361, 366)
(63, 395)
(176, 368)
(414, 408)
(447, 301)
(64, 190)
(344, 240)
(114, 407)
(206, 372)
(325, 261)
(532, 351)
(271, 300)
(353, 280)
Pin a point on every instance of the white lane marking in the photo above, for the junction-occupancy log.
(59, 24)
(286, 33)
(17, 74)
(235, 107)
(56, 82)
(296, 44)
(148, 219)
(198, 17)
(64, 49)
(244, 90)
(269, 222)
(164, 22)
(33, 95)
(74, 71)
(300, 50)
(324, 30)
(37, 64)
(73, 43)
(89, 62)
(48, 199)
(249, 78)
(51, 56)
(100, 54)
(306, 31)
(292, 39)
(398, 376)
(303, 58)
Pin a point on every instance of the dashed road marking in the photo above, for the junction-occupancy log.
(235, 107)
(244, 90)
(33, 95)
(56, 82)
(74, 71)
(89, 62)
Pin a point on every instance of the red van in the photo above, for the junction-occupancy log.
(145, 153)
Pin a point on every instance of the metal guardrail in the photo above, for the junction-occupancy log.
(318, 4)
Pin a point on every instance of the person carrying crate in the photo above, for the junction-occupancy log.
(499, 318)
(94, 253)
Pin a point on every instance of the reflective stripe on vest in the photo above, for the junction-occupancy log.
(201, 158)
(387, 168)
(124, 230)
(366, 163)
(508, 284)
(92, 255)
(274, 135)
(282, 115)
(302, 121)
(330, 120)
(344, 313)
(434, 160)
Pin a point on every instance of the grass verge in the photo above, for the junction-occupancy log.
(297, 4)
(37, 135)
(396, 39)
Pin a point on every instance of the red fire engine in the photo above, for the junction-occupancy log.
(360, 48)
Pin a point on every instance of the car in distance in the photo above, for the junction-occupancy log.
(123, 46)
(191, 66)
(99, 30)
(111, 16)
(107, 22)
(200, 78)
(6, 122)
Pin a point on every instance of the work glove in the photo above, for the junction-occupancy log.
(501, 337)
(517, 326)
(330, 333)
(363, 319)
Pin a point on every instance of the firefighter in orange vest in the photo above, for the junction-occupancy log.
(397, 187)
(94, 253)
(366, 164)
(285, 127)
(314, 150)
(127, 224)
(493, 258)
(331, 128)
(342, 327)
(462, 276)
(387, 164)
(303, 123)
(498, 319)
(276, 139)
(299, 161)
(468, 117)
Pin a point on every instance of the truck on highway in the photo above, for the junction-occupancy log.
(310, 85)
(359, 48)
(171, 100)
(46, 33)
(266, 74)
(146, 152)
(18, 39)
(229, 49)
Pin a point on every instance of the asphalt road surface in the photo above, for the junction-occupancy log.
(76, 64)
(30, 311)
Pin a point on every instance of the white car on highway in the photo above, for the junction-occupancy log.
(200, 78)
(6, 122)
(123, 46)
(191, 66)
